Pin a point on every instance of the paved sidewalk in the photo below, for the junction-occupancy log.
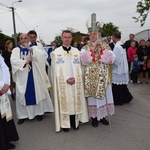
(130, 129)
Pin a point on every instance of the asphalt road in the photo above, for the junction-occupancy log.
(130, 129)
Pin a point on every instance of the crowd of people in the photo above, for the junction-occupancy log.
(138, 57)
(77, 86)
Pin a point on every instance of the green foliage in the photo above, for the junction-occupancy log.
(18, 35)
(109, 29)
(142, 9)
(58, 39)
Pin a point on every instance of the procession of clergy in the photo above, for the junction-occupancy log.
(82, 84)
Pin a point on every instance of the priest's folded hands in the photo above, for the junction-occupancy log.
(26, 45)
(71, 80)
(28, 60)
(96, 44)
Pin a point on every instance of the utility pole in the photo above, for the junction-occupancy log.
(13, 17)
(14, 25)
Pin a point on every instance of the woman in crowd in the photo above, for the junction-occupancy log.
(6, 55)
(142, 53)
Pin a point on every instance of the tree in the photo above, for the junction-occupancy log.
(109, 29)
(18, 35)
(58, 39)
(142, 8)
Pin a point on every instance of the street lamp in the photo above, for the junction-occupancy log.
(14, 25)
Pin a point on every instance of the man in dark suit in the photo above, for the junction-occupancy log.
(127, 44)
(111, 44)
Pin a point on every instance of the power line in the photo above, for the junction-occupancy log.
(13, 17)
(4, 5)
(21, 20)
(3, 8)
(5, 12)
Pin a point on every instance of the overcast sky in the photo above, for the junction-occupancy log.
(49, 17)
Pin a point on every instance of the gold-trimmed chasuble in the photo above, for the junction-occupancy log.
(96, 75)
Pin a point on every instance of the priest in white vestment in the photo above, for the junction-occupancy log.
(69, 99)
(33, 39)
(32, 83)
(8, 132)
(120, 74)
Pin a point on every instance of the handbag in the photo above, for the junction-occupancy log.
(148, 63)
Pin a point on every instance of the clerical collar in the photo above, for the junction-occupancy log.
(67, 49)
(23, 46)
(35, 44)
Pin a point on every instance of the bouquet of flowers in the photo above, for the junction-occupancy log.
(86, 57)
(106, 57)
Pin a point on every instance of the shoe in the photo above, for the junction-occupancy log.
(21, 121)
(135, 84)
(39, 118)
(80, 122)
(147, 82)
(94, 122)
(65, 129)
(140, 82)
(11, 146)
(104, 121)
(131, 81)
(76, 128)
(13, 97)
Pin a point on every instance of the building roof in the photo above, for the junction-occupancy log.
(145, 34)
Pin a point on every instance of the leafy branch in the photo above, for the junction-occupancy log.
(142, 8)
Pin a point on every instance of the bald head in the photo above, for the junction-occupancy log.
(22, 35)
(24, 38)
